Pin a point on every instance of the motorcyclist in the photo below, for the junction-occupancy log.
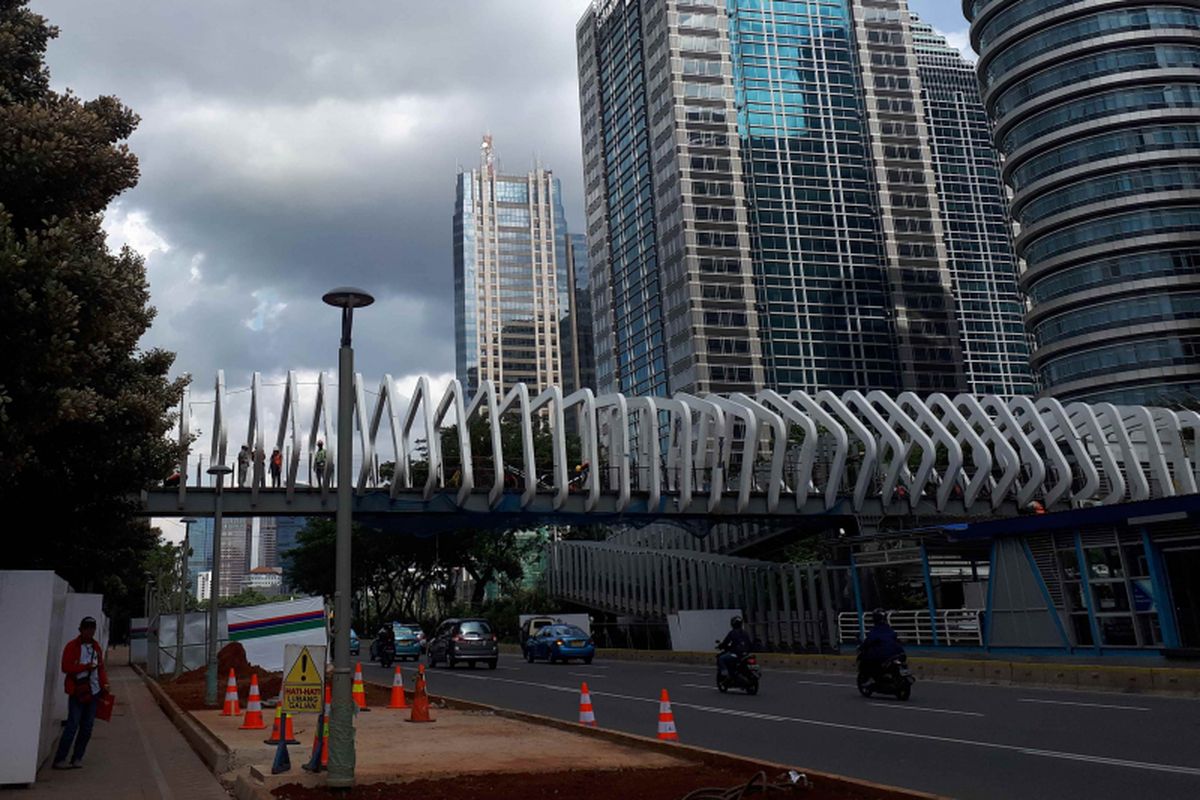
(385, 637)
(880, 645)
(734, 646)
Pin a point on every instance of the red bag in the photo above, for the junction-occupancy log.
(105, 709)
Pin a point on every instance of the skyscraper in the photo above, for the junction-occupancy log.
(1096, 108)
(764, 207)
(236, 546)
(579, 356)
(511, 288)
(673, 302)
(974, 207)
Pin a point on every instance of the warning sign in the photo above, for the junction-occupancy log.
(303, 679)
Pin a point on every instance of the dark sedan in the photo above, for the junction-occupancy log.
(464, 641)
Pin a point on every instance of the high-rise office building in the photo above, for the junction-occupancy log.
(579, 356)
(673, 304)
(1096, 108)
(236, 546)
(975, 223)
(763, 204)
(200, 535)
(511, 288)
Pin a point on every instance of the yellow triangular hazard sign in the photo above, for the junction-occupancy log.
(303, 670)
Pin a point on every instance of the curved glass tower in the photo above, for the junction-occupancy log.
(1096, 107)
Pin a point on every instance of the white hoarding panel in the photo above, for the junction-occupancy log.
(264, 630)
(696, 631)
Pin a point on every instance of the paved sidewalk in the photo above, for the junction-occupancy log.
(139, 754)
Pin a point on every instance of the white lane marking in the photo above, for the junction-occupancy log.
(694, 685)
(843, 726)
(690, 674)
(579, 674)
(1083, 705)
(923, 708)
(818, 683)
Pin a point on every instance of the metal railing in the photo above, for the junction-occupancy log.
(961, 627)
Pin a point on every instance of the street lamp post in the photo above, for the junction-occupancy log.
(183, 593)
(218, 471)
(151, 629)
(341, 725)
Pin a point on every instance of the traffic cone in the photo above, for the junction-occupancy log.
(283, 762)
(325, 727)
(231, 708)
(666, 719)
(254, 719)
(586, 715)
(358, 691)
(420, 704)
(314, 762)
(397, 690)
(282, 726)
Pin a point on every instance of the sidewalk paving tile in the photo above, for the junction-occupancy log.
(139, 754)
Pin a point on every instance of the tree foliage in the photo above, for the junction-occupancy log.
(84, 412)
(396, 576)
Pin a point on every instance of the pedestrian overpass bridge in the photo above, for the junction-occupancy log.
(685, 457)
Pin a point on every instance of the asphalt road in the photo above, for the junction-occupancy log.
(953, 739)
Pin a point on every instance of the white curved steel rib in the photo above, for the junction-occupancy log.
(220, 437)
(1019, 448)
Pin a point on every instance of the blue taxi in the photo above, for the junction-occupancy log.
(560, 643)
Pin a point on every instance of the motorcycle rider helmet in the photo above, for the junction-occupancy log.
(736, 622)
(878, 616)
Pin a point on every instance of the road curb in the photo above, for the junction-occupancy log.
(1165, 681)
(210, 749)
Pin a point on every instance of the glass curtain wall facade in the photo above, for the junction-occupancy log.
(822, 278)
(1096, 108)
(510, 278)
(974, 208)
(669, 245)
(579, 357)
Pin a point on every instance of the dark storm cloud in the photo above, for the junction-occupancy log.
(287, 147)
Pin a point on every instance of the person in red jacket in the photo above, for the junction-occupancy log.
(86, 679)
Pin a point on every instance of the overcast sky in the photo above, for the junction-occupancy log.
(290, 146)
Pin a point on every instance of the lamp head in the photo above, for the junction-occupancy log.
(348, 297)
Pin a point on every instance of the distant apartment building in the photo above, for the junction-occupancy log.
(204, 585)
(767, 193)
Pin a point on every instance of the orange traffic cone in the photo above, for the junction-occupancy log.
(358, 691)
(586, 715)
(397, 690)
(325, 732)
(279, 727)
(666, 720)
(420, 704)
(254, 719)
(231, 708)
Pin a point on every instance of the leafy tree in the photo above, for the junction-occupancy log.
(246, 597)
(163, 563)
(84, 412)
(395, 575)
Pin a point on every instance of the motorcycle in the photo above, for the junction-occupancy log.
(893, 678)
(745, 674)
(387, 654)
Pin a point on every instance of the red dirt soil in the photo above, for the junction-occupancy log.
(188, 690)
(644, 784)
